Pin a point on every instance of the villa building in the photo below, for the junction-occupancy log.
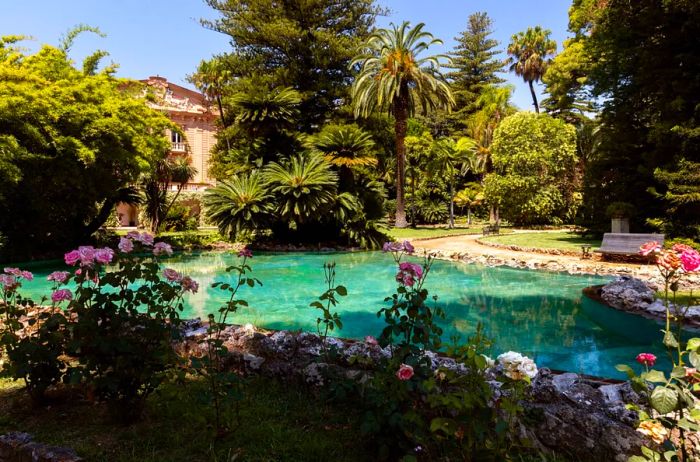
(192, 112)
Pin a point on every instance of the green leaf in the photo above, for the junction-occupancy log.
(626, 369)
(654, 376)
(694, 359)
(664, 400)
(342, 291)
(678, 372)
(670, 340)
(693, 344)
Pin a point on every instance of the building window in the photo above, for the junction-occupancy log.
(178, 144)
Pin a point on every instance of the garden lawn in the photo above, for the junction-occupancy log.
(277, 422)
(551, 240)
(425, 232)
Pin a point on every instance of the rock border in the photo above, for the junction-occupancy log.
(633, 295)
(20, 447)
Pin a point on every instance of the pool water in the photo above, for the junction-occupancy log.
(541, 314)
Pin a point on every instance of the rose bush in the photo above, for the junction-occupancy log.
(113, 332)
(672, 408)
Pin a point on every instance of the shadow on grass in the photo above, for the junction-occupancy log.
(277, 422)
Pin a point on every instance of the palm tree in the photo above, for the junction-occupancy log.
(239, 204)
(211, 78)
(451, 159)
(394, 77)
(264, 111)
(494, 106)
(156, 185)
(347, 147)
(530, 54)
(471, 196)
(305, 187)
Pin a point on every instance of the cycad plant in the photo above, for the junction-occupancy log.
(347, 147)
(304, 186)
(394, 76)
(240, 204)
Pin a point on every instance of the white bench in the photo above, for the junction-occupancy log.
(626, 244)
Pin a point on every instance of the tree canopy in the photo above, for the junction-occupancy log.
(534, 179)
(71, 140)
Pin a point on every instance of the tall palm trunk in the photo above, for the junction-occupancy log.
(469, 215)
(534, 96)
(452, 204)
(401, 127)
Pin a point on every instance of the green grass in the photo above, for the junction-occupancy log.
(554, 240)
(277, 422)
(429, 232)
(682, 298)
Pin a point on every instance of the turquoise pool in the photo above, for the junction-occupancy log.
(540, 314)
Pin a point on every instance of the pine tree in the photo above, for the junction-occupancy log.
(476, 64)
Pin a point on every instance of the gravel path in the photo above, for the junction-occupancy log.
(466, 248)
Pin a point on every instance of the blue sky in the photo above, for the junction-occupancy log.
(148, 37)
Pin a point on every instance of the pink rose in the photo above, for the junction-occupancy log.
(649, 248)
(72, 257)
(189, 285)
(247, 253)
(162, 248)
(646, 359)
(145, 239)
(125, 245)
(59, 276)
(408, 247)
(668, 260)
(87, 254)
(690, 260)
(16, 272)
(8, 282)
(409, 273)
(369, 340)
(104, 256)
(405, 372)
(680, 248)
(172, 275)
(61, 295)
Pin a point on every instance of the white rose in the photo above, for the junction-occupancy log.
(528, 367)
(509, 358)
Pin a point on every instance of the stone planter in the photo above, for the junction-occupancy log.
(620, 225)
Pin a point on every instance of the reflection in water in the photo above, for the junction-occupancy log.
(540, 314)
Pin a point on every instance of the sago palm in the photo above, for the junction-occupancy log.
(239, 204)
(395, 77)
(304, 185)
(260, 111)
(530, 54)
(345, 145)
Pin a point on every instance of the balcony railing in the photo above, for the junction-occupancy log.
(178, 147)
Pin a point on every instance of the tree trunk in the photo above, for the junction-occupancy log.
(401, 127)
(469, 215)
(223, 120)
(534, 97)
(452, 204)
(413, 200)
